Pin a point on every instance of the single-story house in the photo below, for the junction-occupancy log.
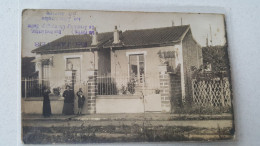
(152, 63)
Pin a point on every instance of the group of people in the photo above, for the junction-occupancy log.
(68, 107)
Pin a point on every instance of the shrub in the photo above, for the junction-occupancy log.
(131, 86)
(206, 110)
(56, 91)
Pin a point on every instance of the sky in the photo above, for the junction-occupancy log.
(43, 26)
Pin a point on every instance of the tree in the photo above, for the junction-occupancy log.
(217, 56)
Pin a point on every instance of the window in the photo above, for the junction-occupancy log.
(45, 75)
(137, 67)
(74, 64)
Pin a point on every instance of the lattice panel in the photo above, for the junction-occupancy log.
(227, 92)
(215, 92)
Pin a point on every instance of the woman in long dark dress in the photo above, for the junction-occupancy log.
(46, 110)
(68, 107)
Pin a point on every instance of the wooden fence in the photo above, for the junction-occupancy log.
(215, 92)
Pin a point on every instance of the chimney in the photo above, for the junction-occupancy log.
(116, 36)
(94, 37)
(207, 41)
(210, 36)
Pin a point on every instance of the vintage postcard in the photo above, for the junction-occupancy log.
(103, 76)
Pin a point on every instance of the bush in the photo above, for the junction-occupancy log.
(56, 91)
(206, 110)
(131, 86)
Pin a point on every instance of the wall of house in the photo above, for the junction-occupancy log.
(170, 85)
(192, 57)
(120, 68)
(57, 70)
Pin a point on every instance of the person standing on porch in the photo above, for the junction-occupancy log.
(46, 109)
(68, 107)
(81, 100)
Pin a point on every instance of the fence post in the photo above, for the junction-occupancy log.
(193, 92)
(210, 83)
(92, 91)
(164, 89)
(25, 86)
(222, 92)
(143, 84)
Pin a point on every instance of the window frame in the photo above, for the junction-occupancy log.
(128, 54)
(71, 57)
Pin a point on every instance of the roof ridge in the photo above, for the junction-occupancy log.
(158, 28)
(86, 34)
(106, 32)
(75, 35)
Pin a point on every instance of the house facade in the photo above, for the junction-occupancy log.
(146, 70)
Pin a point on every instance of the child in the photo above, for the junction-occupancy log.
(81, 100)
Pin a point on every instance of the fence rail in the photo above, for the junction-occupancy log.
(32, 87)
(215, 92)
(108, 85)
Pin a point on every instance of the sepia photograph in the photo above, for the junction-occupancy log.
(121, 76)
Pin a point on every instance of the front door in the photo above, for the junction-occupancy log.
(137, 68)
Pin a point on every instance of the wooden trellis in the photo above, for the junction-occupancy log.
(214, 92)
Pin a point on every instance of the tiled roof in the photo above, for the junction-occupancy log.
(151, 36)
(128, 38)
(73, 42)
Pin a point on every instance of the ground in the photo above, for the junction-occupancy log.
(148, 127)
